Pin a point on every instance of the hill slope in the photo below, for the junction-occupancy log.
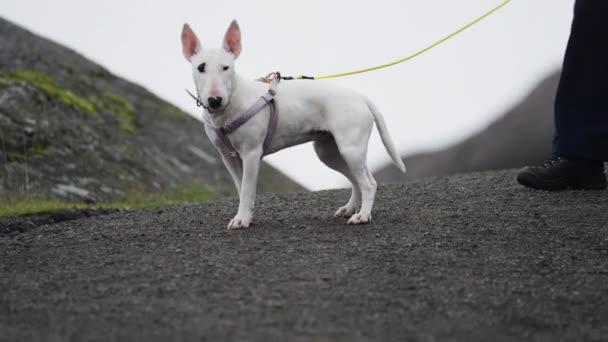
(71, 129)
(462, 258)
(520, 137)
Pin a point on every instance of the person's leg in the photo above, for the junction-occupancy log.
(580, 144)
(581, 103)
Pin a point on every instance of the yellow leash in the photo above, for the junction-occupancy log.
(480, 18)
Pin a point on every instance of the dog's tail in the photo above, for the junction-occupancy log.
(386, 139)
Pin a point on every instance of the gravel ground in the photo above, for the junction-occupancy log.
(467, 258)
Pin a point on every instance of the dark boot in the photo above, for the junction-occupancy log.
(560, 174)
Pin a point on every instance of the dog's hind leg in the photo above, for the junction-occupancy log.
(352, 144)
(328, 153)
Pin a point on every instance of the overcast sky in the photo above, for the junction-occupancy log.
(434, 100)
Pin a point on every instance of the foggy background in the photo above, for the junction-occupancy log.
(430, 102)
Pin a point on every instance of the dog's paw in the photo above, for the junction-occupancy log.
(345, 211)
(360, 219)
(239, 223)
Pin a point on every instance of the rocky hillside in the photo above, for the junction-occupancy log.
(71, 129)
(521, 136)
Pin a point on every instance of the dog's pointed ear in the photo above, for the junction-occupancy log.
(232, 39)
(190, 43)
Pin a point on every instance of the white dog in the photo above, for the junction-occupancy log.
(240, 120)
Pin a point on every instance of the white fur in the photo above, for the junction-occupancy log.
(339, 122)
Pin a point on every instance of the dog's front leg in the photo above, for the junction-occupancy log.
(234, 166)
(251, 169)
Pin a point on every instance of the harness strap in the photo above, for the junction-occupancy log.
(246, 115)
(223, 131)
(272, 125)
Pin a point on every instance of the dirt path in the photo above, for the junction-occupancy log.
(472, 257)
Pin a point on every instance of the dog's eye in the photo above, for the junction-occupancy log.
(225, 68)
(201, 67)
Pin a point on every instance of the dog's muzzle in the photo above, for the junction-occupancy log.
(215, 102)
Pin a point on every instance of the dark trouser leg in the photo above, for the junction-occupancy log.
(581, 105)
(581, 108)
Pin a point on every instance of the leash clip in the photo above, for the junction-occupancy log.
(271, 77)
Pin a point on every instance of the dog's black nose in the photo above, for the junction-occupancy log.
(215, 102)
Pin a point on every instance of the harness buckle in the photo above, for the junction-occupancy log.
(226, 129)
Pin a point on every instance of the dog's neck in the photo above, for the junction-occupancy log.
(244, 94)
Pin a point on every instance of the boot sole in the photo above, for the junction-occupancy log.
(531, 181)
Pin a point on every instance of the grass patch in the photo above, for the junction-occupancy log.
(31, 205)
(49, 86)
(190, 192)
(123, 108)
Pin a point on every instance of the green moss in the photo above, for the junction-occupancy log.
(171, 109)
(85, 80)
(4, 82)
(127, 149)
(14, 156)
(122, 108)
(39, 149)
(49, 86)
(36, 149)
(193, 191)
(126, 127)
(99, 71)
